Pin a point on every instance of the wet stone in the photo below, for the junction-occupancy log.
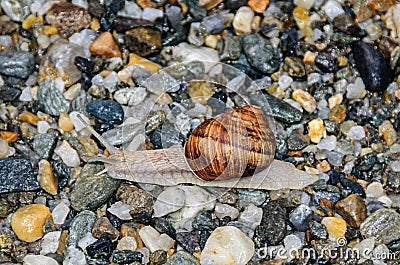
(273, 225)
(102, 248)
(375, 70)
(80, 226)
(92, 190)
(16, 174)
(190, 241)
(300, 217)
(9, 93)
(18, 64)
(229, 48)
(352, 209)
(106, 110)
(260, 53)
(326, 62)
(51, 100)
(140, 200)
(346, 23)
(383, 225)
(103, 227)
(294, 67)
(127, 256)
(143, 41)
(182, 258)
(158, 257)
(44, 145)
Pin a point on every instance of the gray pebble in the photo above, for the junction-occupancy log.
(16, 174)
(182, 258)
(44, 145)
(80, 226)
(51, 100)
(17, 63)
(300, 217)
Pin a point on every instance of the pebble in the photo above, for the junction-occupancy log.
(242, 20)
(60, 213)
(121, 210)
(395, 166)
(39, 260)
(221, 210)
(46, 177)
(68, 155)
(317, 130)
(382, 224)
(27, 222)
(127, 257)
(65, 123)
(140, 200)
(103, 227)
(154, 240)
(335, 226)
(43, 126)
(105, 45)
(80, 226)
(135, 59)
(101, 248)
(68, 18)
(185, 53)
(170, 200)
(74, 256)
(338, 114)
(258, 6)
(260, 53)
(326, 62)
(328, 143)
(158, 257)
(227, 245)
(87, 240)
(143, 41)
(305, 99)
(356, 90)
(92, 190)
(251, 216)
(106, 110)
(375, 70)
(214, 24)
(246, 197)
(300, 217)
(182, 258)
(352, 209)
(375, 190)
(44, 145)
(127, 243)
(4, 148)
(51, 100)
(18, 64)
(29, 117)
(273, 227)
(292, 243)
(332, 9)
(388, 132)
(50, 242)
(356, 133)
(16, 174)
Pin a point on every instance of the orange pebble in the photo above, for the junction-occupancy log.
(258, 6)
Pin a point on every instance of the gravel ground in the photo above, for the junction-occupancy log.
(144, 74)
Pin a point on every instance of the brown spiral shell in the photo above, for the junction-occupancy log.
(237, 144)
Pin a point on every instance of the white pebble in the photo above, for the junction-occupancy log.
(6, 41)
(356, 90)
(328, 143)
(251, 216)
(121, 210)
(74, 256)
(151, 14)
(72, 92)
(356, 133)
(395, 148)
(170, 200)
(332, 9)
(294, 104)
(43, 126)
(60, 213)
(154, 240)
(292, 242)
(221, 210)
(242, 20)
(68, 155)
(185, 52)
(285, 81)
(374, 190)
(313, 78)
(227, 245)
(43, 41)
(26, 94)
(45, 8)
(39, 260)
(131, 9)
(111, 81)
(50, 242)
(395, 166)
(386, 201)
(86, 240)
(127, 243)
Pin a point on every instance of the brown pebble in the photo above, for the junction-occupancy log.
(143, 41)
(9, 137)
(210, 4)
(46, 177)
(68, 18)
(323, 166)
(105, 45)
(380, 5)
(305, 99)
(388, 132)
(258, 6)
(131, 230)
(103, 227)
(337, 113)
(352, 209)
(316, 130)
(65, 123)
(29, 117)
(27, 222)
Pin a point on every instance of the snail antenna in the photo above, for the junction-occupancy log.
(103, 141)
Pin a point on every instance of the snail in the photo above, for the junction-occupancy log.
(234, 150)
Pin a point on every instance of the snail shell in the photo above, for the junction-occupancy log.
(237, 144)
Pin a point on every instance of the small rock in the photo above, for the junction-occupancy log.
(356, 133)
(106, 110)
(184, 52)
(388, 132)
(356, 90)
(346, 24)
(103, 227)
(127, 257)
(332, 9)
(139, 199)
(60, 213)
(352, 209)
(80, 226)
(221, 210)
(251, 216)
(68, 18)
(50, 242)
(102, 248)
(65, 123)
(18, 64)
(44, 145)
(375, 70)
(316, 130)
(214, 24)
(292, 242)
(16, 174)
(335, 226)
(326, 62)
(154, 240)
(46, 177)
(294, 67)
(143, 41)
(29, 117)
(328, 143)
(182, 258)
(105, 45)
(51, 100)
(382, 224)
(9, 137)
(39, 260)
(258, 6)
(375, 190)
(92, 190)
(305, 99)
(127, 243)
(242, 20)
(190, 241)
(27, 222)
(318, 230)
(74, 256)
(227, 245)
(338, 114)
(121, 210)
(301, 217)
(158, 257)
(273, 226)
(68, 155)
(170, 200)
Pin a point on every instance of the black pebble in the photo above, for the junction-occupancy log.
(106, 110)
(16, 174)
(101, 248)
(375, 70)
(326, 62)
(84, 65)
